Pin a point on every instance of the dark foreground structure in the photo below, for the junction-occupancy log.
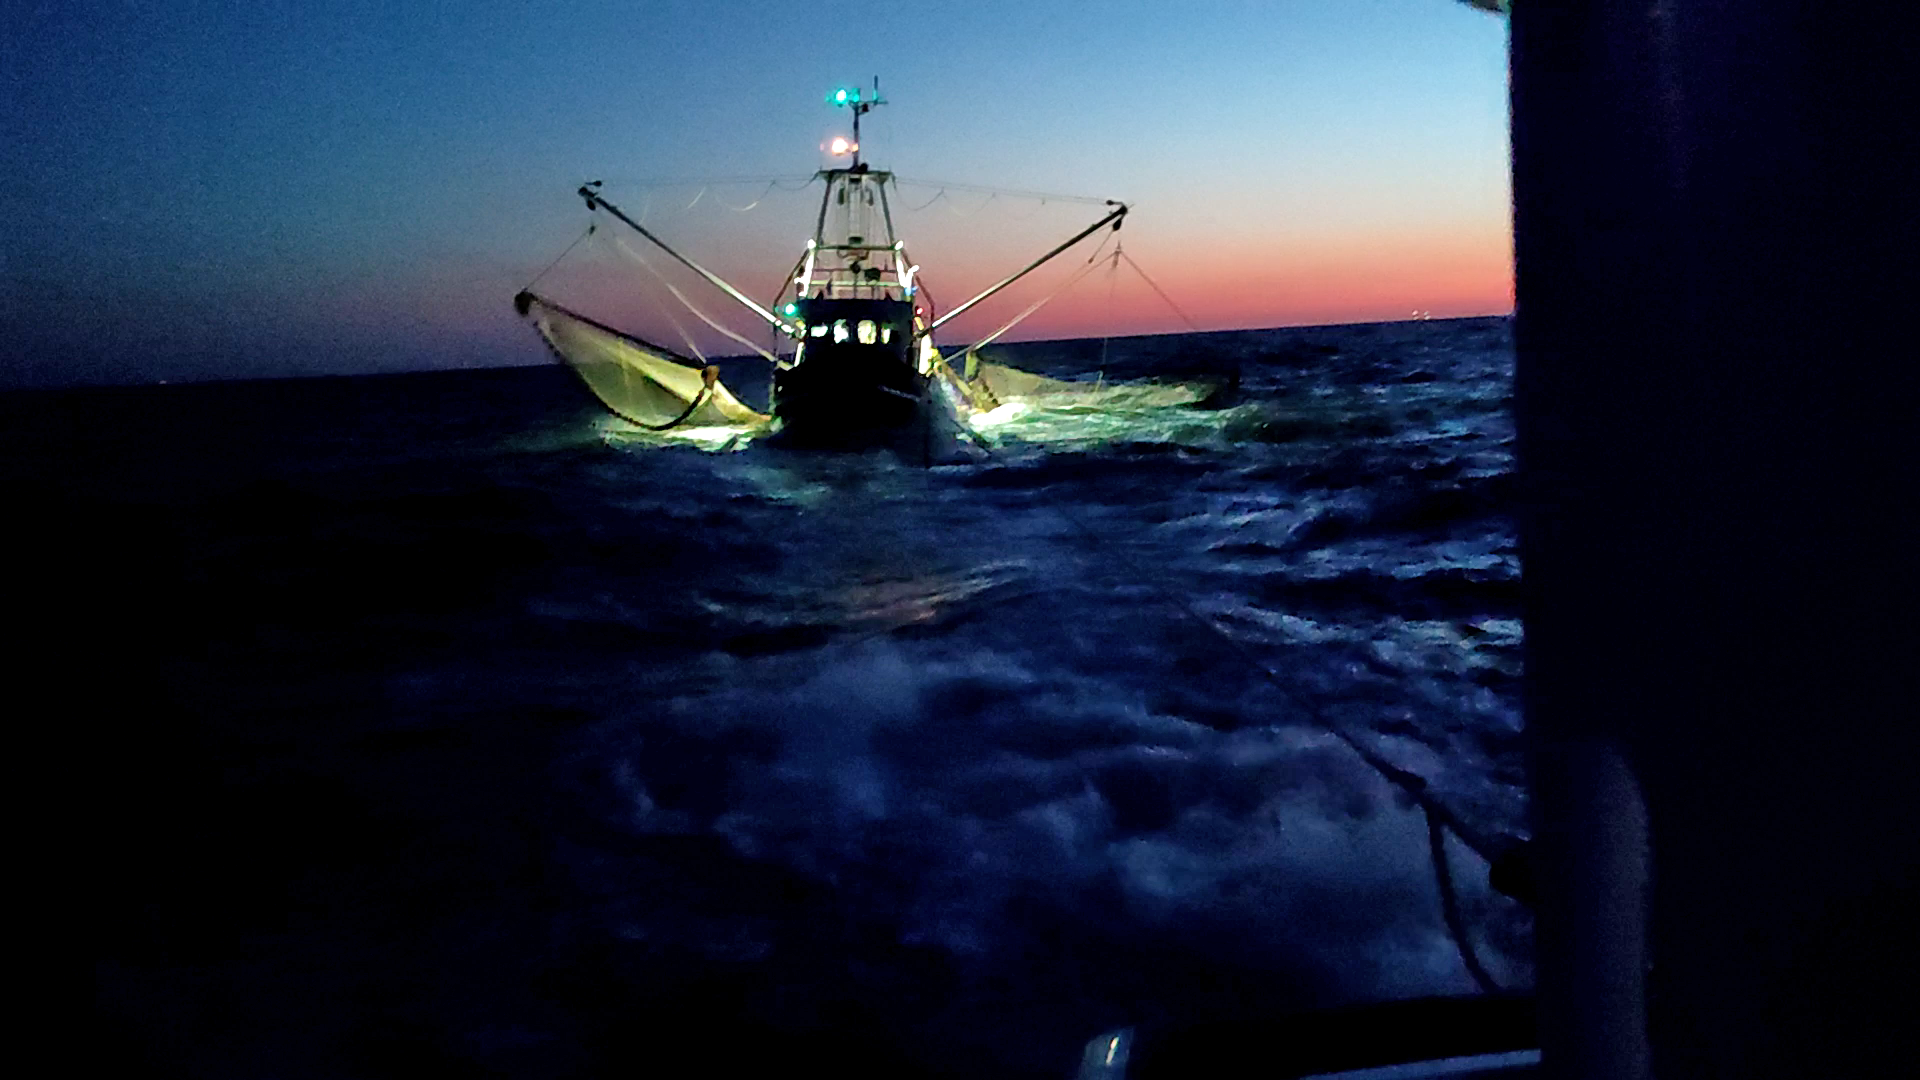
(1716, 240)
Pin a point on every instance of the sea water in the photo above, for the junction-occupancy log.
(444, 724)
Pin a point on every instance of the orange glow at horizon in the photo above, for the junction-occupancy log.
(1350, 279)
(1343, 279)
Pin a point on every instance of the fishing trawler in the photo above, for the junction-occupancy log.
(854, 359)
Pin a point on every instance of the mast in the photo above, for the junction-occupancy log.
(847, 271)
(854, 253)
(849, 98)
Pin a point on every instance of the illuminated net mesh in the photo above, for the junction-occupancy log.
(639, 383)
(657, 297)
(1007, 384)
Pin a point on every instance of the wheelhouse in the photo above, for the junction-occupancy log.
(880, 324)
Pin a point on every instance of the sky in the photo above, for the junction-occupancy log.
(210, 188)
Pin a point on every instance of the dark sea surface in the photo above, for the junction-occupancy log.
(439, 725)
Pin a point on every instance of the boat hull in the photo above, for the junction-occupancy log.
(852, 379)
(849, 400)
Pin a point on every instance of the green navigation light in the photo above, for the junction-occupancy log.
(791, 309)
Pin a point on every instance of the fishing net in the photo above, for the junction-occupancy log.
(1008, 385)
(660, 296)
(639, 381)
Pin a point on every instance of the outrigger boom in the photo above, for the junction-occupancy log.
(1117, 217)
(855, 361)
(595, 200)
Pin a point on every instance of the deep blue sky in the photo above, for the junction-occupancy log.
(226, 188)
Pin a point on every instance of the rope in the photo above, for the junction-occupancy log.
(1113, 284)
(666, 313)
(692, 345)
(797, 182)
(688, 304)
(937, 196)
(686, 338)
(1450, 906)
(556, 260)
(1184, 317)
(1038, 304)
(1033, 213)
(1414, 786)
(756, 200)
(954, 208)
(1010, 192)
(710, 375)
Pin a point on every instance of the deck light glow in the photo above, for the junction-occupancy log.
(842, 145)
(997, 416)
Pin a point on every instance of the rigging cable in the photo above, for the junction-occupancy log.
(1438, 816)
(666, 312)
(1113, 284)
(692, 345)
(1037, 207)
(937, 196)
(709, 376)
(688, 304)
(1450, 906)
(1038, 304)
(768, 190)
(1413, 785)
(798, 182)
(556, 260)
(1155, 286)
(1010, 192)
(953, 206)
